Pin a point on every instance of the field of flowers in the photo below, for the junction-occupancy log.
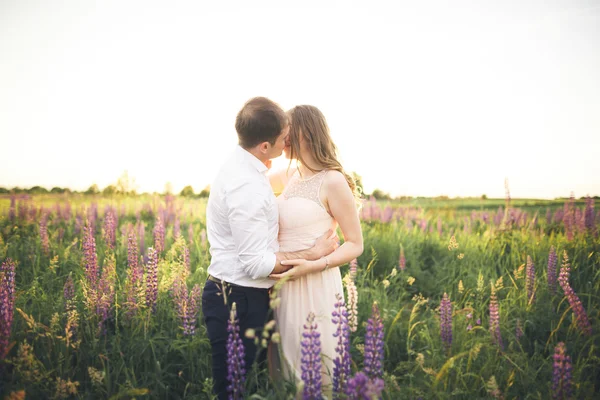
(100, 298)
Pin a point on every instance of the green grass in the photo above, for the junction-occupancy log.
(149, 353)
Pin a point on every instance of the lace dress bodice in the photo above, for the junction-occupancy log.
(302, 216)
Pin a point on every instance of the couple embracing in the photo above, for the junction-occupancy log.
(256, 238)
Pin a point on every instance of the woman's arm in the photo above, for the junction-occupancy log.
(342, 206)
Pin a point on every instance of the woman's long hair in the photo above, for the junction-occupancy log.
(310, 122)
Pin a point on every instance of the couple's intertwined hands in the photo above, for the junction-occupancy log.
(325, 245)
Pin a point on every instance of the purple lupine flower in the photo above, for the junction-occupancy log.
(439, 226)
(402, 260)
(12, 212)
(590, 223)
(109, 230)
(152, 279)
(89, 256)
(552, 259)
(341, 369)
(187, 261)
(159, 235)
(236, 372)
(106, 293)
(187, 305)
(388, 213)
(530, 280)
(134, 275)
(562, 378)
(141, 228)
(176, 228)
(495, 319)
(69, 289)
(518, 330)
(446, 321)
(579, 220)
(70, 308)
(311, 359)
(548, 216)
(581, 318)
(353, 268)
(78, 225)
(569, 218)
(190, 234)
(374, 353)
(360, 387)
(44, 234)
(7, 303)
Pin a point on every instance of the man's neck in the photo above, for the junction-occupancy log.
(258, 154)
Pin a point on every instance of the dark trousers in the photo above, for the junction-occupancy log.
(252, 307)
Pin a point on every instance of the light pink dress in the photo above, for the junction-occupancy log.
(302, 220)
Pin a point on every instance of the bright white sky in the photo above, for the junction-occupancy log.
(422, 98)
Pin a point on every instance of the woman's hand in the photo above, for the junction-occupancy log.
(300, 267)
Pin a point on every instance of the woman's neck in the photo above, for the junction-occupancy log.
(309, 167)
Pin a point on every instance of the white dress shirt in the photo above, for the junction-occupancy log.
(242, 222)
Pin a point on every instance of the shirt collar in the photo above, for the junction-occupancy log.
(250, 158)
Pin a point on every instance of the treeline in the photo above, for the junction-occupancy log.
(110, 190)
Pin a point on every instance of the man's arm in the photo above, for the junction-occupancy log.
(324, 246)
(250, 228)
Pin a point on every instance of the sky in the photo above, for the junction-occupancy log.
(422, 98)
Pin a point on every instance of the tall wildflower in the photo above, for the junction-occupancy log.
(518, 330)
(159, 235)
(142, 239)
(446, 321)
(341, 368)
(562, 379)
(530, 280)
(176, 228)
(89, 256)
(495, 318)
(589, 217)
(236, 373)
(134, 276)
(187, 305)
(190, 234)
(311, 359)
(402, 260)
(552, 259)
(352, 304)
(152, 279)
(581, 318)
(353, 268)
(12, 211)
(70, 310)
(106, 292)
(44, 234)
(7, 303)
(360, 387)
(373, 367)
(439, 226)
(109, 230)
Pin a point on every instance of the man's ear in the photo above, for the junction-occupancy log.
(264, 147)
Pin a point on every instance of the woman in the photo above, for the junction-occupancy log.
(318, 196)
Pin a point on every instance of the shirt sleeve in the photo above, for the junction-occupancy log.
(250, 229)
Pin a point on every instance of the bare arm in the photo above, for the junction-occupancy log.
(326, 244)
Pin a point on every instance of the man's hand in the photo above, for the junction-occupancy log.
(280, 268)
(298, 268)
(325, 245)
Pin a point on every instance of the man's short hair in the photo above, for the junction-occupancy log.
(260, 120)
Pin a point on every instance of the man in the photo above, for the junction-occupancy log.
(242, 226)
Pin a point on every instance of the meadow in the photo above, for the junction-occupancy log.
(462, 299)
